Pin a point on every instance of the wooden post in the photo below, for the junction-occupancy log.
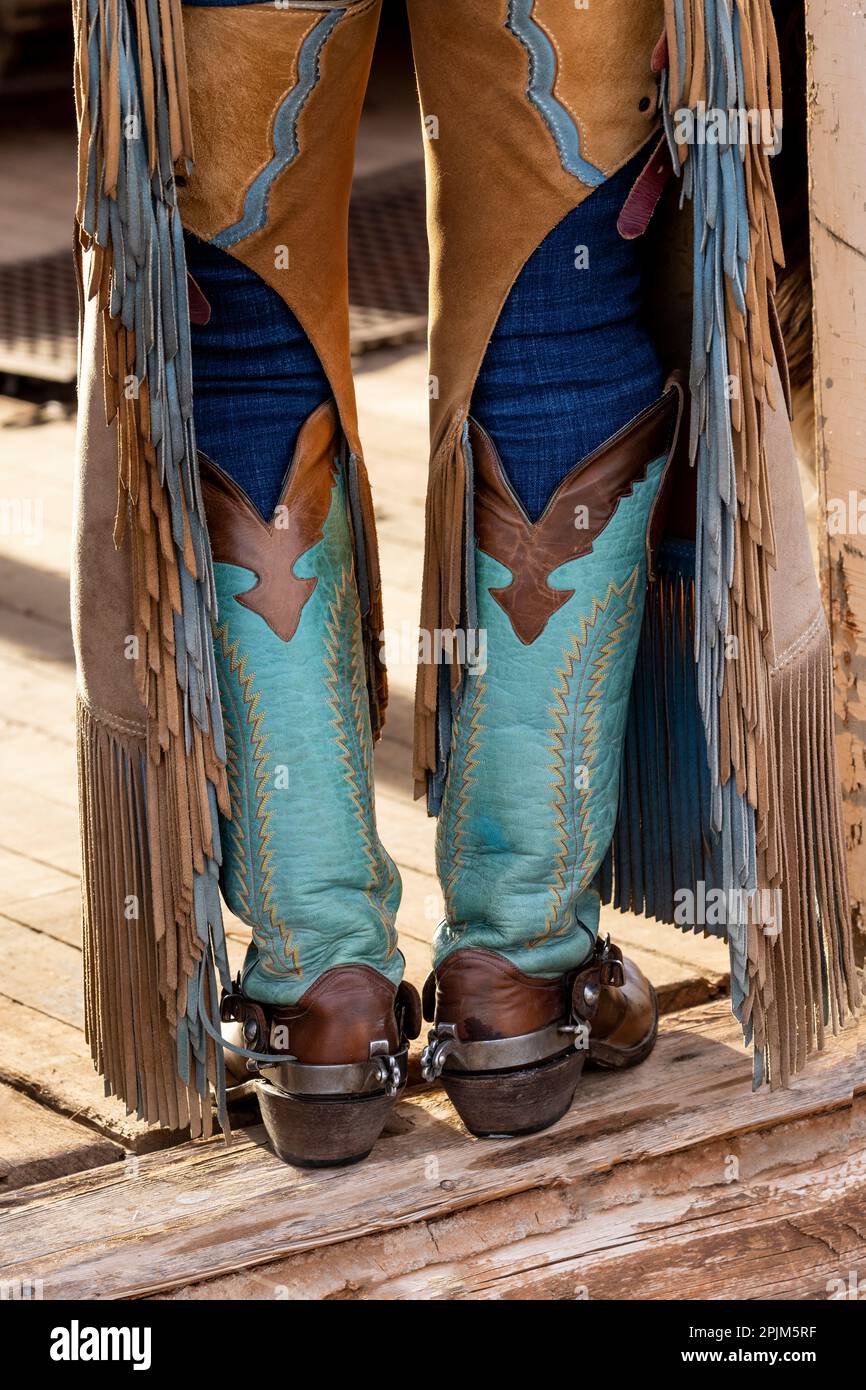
(836, 43)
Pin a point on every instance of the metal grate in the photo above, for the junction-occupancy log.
(387, 275)
(388, 261)
(39, 318)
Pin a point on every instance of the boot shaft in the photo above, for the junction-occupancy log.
(532, 789)
(303, 865)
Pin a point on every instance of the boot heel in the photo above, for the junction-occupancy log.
(329, 1121)
(503, 1105)
(326, 1114)
(322, 1131)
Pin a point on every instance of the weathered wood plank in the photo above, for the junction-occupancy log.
(767, 1247)
(50, 1061)
(45, 644)
(202, 1210)
(38, 696)
(808, 1252)
(572, 1240)
(42, 973)
(42, 763)
(56, 913)
(837, 188)
(46, 830)
(22, 876)
(36, 1144)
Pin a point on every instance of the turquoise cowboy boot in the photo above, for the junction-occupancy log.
(521, 991)
(323, 1014)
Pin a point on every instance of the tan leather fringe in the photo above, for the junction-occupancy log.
(745, 733)
(443, 589)
(171, 801)
(812, 985)
(129, 1023)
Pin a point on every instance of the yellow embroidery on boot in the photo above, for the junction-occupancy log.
(260, 861)
(563, 887)
(348, 700)
(467, 760)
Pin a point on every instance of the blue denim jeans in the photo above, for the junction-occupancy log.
(569, 361)
(256, 377)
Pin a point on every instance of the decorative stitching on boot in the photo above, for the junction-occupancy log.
(465, 756)
(573, 849)
(256, 893)
(346, 680)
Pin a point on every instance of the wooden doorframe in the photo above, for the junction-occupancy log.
(836, 50)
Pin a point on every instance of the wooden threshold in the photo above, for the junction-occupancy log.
(671, 1132)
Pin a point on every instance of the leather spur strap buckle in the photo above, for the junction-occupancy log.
(236, 1008)
(446, 1052)
(605, 969)
(608, 959)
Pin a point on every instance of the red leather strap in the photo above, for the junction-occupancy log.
(199, 308)
(646, 191)
(660, 58)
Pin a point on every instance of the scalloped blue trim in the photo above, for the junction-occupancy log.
(542, 79)
(285, 137)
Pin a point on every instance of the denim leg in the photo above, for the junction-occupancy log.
(256, 377)
(570, 361)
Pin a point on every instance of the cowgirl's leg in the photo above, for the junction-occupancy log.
(549, 409)
(269, 98)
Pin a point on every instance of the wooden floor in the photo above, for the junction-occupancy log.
(672, 1180)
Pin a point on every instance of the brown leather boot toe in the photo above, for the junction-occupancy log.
(620, 1006)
